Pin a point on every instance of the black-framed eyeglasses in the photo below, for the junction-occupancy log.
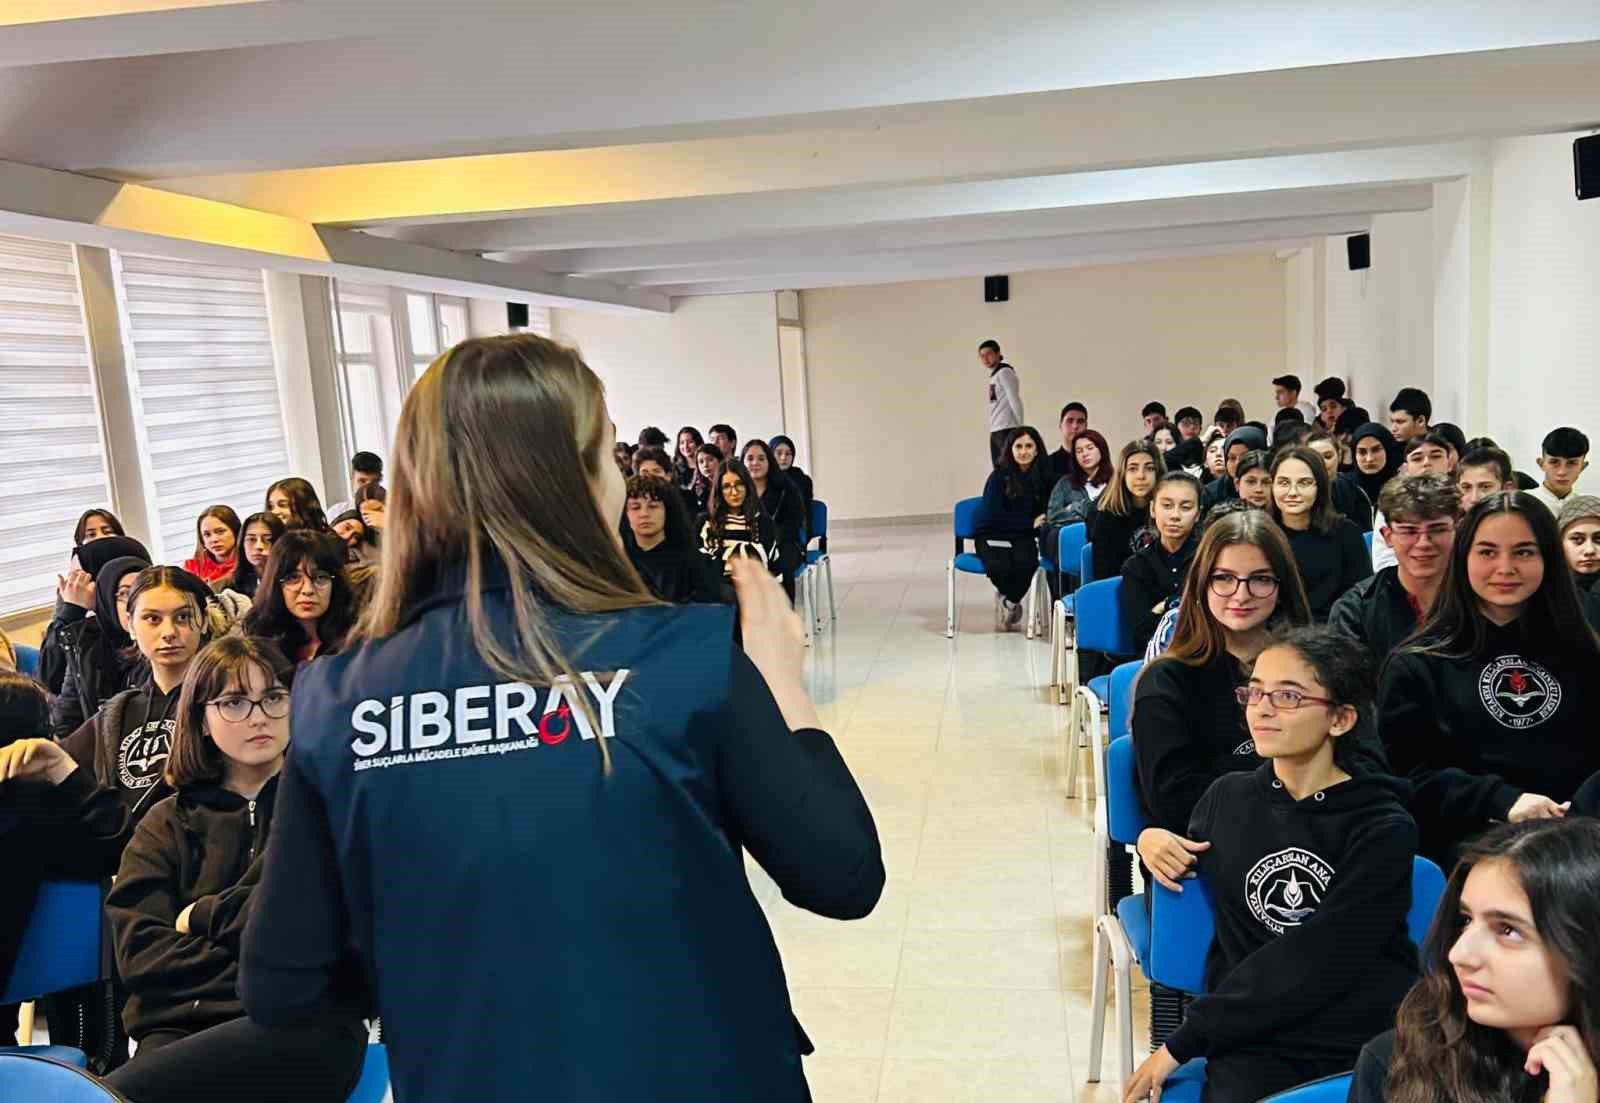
(321, 580)
(274, 705)
(1224, 584)
(1285, 699)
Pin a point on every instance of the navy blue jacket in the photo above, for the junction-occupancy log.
(529, 924)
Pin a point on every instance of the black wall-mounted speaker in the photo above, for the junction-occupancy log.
(996, 289)
(516, 315)
(1359, 246)
(1586, 166)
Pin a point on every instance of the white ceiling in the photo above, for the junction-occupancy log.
(629, 153)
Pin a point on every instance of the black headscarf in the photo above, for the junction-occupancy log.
(112, 640)
(1373, 484)
(97, 553)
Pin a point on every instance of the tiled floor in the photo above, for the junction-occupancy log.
(971, 979)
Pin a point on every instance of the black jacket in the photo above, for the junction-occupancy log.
(1115, 536)
(1372, 1070)
(1350, 500)
(1188, 730)
(201, 846)
(1474, 734)
(1376, 612)
(1311, 953)
(786, 512)
(1010, 503)
(802, 483)
(1150, 576)
(1330, 563)
(676, 573)
(125, 745)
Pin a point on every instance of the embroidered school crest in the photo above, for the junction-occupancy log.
(1286, 887)
(1518, 692)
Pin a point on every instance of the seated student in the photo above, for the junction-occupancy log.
(685, 465)
(1153, 576)
(1073, 496)
(1409, 413)
(1489, 707)
(183, 895)
(1074, 420)
(1344, 430)
(1154, 415)
(1348, 498)
(1579, 524)
(1331, 401)
(1164, 439)
(1328, 547)
(259, 532)
(653, 462)
(1455, 441)
(55, 821)
(1379, 612)
(1119, 520)
(1308, 861)
(785, 512)
(726, 440)
(304, 605)
(171, 615)
(1161, 638)
(737, 526)
(1243, 439)
(783, 452)
(652, 436)
(296, 504)
(1562, 458)
(1188, 729)
(371, 501)
(366, 469)
(1014, 500)
(1286, 396)
(1428, 454)
(622, 456)
(1229, 416)
(360, 545)
(96, 648)
(1507, 1007)
(660, 544)
(1483, 471)
(1289, 428)
(1216, 465)
(1253, 479)
(1377, 458)
(708, 461)
(216, 544)
(93, 525)
(1188, 421)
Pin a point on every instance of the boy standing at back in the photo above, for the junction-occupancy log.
(1562, 457)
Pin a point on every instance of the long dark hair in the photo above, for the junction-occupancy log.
(776, 479)
(1456, 627)
(88, 515)
(684, 468)
(1102, 474)
(270, 617)
(209, 618)
(1441, 1055)
(677, 533)
(717, 508)
(228, 517)
(245, 579)
(304, 504)
(1031, 485)
(1323, 516)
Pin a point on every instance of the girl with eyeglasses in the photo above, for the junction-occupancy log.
(304, 605)
(1488, 708)
(1328, 547)
(1308, 865)
(183, 895)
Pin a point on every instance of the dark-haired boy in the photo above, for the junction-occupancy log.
(1409, 413)
(366, 469)
(1188, 419)
(1562, 457)
(1155, 416)
(1483, 471)
(1074, 420)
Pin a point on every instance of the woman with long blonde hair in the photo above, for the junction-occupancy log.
(523, 790)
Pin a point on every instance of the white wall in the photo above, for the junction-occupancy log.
(898, 413)
(714, 358)
(1544, 325)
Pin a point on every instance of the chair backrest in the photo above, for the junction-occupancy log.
(373, 1087)
(60, 947)
(1120, 707)
(969, 517)
(817, 523)
(1086, 565)
(1101, 625)
(1330, 1089)
(1069, 548)
(1179, 922)
(1368, 538)
(27, 660)
(1124, 813)
(41, 1080)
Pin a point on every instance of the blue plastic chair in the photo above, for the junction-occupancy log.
(1367, 536)
(1122, 935)
(1119, 710)
(1100, 626)
(374, 1082)
(60, 949)
(1330, 1089)
(27, 660)
(1069, 562)
(42, 1080)
(969, 518)
(817, 558)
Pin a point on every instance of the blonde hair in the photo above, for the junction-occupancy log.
(495, 455)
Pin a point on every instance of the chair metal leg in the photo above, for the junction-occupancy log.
(1125, 1017)
(1097, 1001)
(833, 610)
(1074, 740)
(950, 600)
(806, 601)
(816, 606)
(1055, 654)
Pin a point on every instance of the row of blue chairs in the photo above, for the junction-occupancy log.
(63, 947)
(1169, 935)
(815, 562)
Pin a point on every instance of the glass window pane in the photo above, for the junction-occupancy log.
(356, 329)
(419, 311)
(452, 322)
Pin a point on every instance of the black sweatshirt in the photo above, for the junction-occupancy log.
(1311, 951)
(1188, 731)
(1474, 734)
(125, 745)
(1150, 576)
(1376, 612)
(785, 511)
(200, 846)
(1330, 563)
(1350, 500)
(676, 573)
(1011, 502)
(1115, 537)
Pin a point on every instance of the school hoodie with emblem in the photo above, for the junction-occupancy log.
(527, 917)
(1473, 734)
(126, 742)
(1311, 954)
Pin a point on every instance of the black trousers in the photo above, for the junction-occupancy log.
(1010, 568)
(242, 1061)
(1247, 1075)
(997, 445)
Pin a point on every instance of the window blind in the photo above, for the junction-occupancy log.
(52, 453)
(200, 355)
